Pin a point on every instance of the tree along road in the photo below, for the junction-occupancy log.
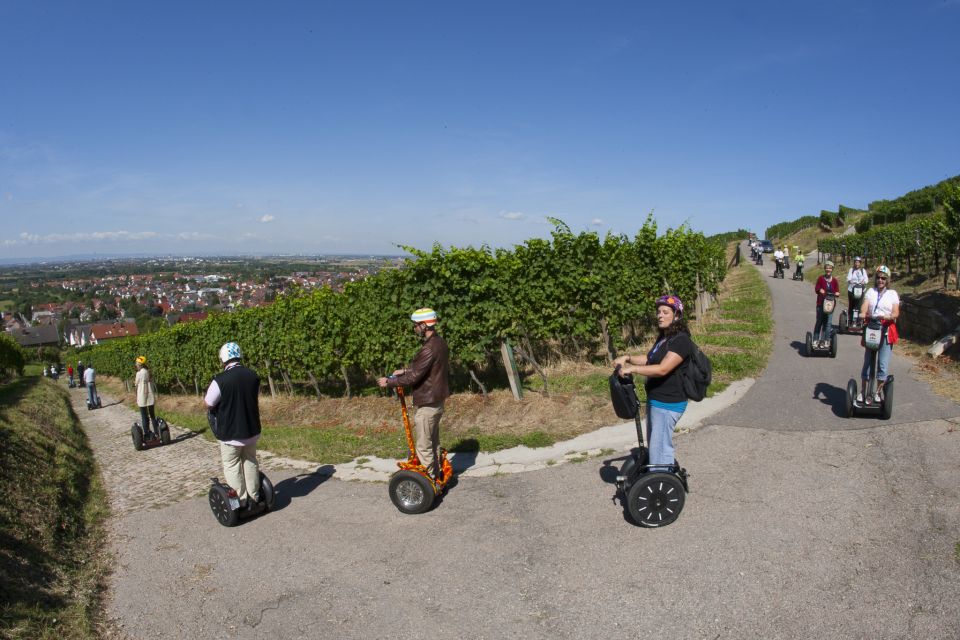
(800, 525)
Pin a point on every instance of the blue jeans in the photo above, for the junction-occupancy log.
(883, 360)
(660, 425)
(825, 322)
(92, 392)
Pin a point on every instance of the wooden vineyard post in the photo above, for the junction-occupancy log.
(511, 366)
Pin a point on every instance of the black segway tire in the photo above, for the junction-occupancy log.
(849, 408)
(137, 436)
(220, 505)
(267, 492)
(411, 492)
(887, 407)
(844, 324)
(833, 346)
(809, 345)
(655, 499)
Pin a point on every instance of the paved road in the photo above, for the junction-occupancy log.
(795, 529)
(796, 393)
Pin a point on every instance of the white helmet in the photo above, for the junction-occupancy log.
(230, 351)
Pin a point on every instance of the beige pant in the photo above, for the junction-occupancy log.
(240, 470)
(426, 424)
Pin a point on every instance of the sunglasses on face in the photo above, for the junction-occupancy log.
(884, 278)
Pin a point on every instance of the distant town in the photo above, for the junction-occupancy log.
(84, 302)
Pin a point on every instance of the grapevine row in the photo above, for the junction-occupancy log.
(571, 293)
(12, 357)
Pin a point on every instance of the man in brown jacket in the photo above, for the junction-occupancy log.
(427, 376)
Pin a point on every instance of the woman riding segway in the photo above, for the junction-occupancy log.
(880, 303)
(658, 502)
(827, 288)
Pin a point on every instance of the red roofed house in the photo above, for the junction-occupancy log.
(111, 331)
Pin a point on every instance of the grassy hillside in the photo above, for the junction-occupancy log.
(51, 517)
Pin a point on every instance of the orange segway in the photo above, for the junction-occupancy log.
(412, 488)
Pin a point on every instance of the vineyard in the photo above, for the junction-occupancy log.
(12, 358)
(570, 295)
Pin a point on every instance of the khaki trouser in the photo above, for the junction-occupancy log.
(426, 424)
(240, 470)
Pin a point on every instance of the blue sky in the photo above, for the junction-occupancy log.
(353, 127)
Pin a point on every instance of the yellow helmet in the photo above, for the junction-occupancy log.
(141, 359)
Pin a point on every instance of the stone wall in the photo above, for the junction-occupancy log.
(928, 316)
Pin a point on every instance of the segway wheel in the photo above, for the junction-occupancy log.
(851, 397)
(655, 499)
(888, 398)
(220, 505)
(833, 346)
(267, 492)
(843, 322)
(137, 436)
(809, 344)
(411, 492)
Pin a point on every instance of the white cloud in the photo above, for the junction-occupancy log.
(266, 218)
(597, 222)
(512, 215)
(93, 236)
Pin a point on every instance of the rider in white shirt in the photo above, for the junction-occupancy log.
(857, 275)
(778, 260)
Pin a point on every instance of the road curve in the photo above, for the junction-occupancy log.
(800, 525)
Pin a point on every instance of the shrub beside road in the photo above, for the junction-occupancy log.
(52, 566)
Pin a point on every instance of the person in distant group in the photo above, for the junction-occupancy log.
(427, 376)
(777, 261)
(234, 396)
(146, 397)
(80, 369)
(90, 380)
(825, 285)
(662, 366)
(798, 258)
(46, 371)
(70, 373)
(857, 275)
(883, 303)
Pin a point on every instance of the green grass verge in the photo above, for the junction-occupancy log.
(335, 445)
(52, 566)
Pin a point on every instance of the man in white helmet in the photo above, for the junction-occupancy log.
(234, 396)
(427, 376)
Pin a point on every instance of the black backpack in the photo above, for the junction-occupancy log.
(696, 374)
(623, 394)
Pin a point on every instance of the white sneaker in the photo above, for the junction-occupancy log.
(860, 398)
(876, 398)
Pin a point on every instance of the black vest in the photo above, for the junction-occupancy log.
(238, 412)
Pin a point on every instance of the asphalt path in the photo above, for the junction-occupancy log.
(800, 525)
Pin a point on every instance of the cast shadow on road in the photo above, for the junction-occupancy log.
(463, 454)
(836, 397)
(301, 485)
(610, 471)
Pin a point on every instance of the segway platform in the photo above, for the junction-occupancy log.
(96, 405)
(813, 347)
(141, 441)
(413, 489)
(884, 408)
(225, 504)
